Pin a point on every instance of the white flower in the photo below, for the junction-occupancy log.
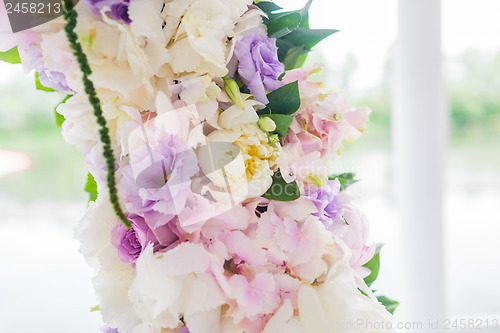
(174, 284)
(200, 40)
(234, 115)
(332, 304)
(119, 62)
(113, 277)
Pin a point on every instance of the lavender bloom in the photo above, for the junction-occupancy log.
(118, 8)
(259, 66)
(327, 201)
(130, 243)
(107, 329)
(161, 184)
(55, 80)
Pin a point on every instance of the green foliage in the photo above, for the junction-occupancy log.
(91, 187)
(389, 304)
(283, 24)
(11, 56)
(374, 266)
(268, 6)
(345, 179)
(307, 38)
(474, 98)
(291, 29)
(285, 100)
(281, 190)
(40, 86)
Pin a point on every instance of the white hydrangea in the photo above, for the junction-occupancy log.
(175, 284)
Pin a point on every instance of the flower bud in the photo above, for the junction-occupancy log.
(267, 124)
(233, 91)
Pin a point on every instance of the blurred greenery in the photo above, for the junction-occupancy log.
(27, 124)
(473, 89)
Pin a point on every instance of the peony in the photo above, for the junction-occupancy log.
(250, 173)
(259, 66)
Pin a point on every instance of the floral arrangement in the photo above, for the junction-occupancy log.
(211, 205)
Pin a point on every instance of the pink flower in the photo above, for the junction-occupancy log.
(256, 297)
(354, 234)
(325, 119)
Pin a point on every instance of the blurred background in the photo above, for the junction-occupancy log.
(45, 283)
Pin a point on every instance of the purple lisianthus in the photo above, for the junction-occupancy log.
(259, 66)
(327, 200)
(118, 8)
(131, 242)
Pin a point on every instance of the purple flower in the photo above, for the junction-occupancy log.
(107, 329)
(118, 8)
(259, 66)
(327, 201)
(130, 243)
(157, 183)
(33, 59)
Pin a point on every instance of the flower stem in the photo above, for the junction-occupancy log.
(71, 17)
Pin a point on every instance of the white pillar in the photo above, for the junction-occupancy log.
(418, 138)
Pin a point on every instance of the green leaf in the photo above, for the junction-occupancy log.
(268, 6)
(345, 179)
(285, 100)
(308, 38)
(59, 117)
(292, 57)
(282, 121)
(40, 86)
(91, 187)
(374, 266)
(389, 304)
(283, 24)
(283, 48)
(11, 56)
(304, 12)
(281, 190)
